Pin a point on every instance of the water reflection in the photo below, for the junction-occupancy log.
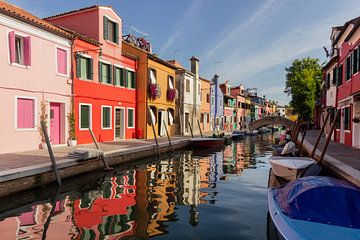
(150, 199)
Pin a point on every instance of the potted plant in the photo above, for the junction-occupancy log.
(72, 134)
(44, 118)
(154, 91)
(171, 94)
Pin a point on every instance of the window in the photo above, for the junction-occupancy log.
(153, 114)
(348, 68)
(131, 83)
(171, 82)
(61, 60)
(131, 117)
(111, 30)
(84, 67)
(106, 117)
(328, 80)
(355, 61)
(20, 49)
(334, 75)
(25, 118)
(171, 116)
(340, 75)
(347, 118)
(199, 89)
(153, 76)
(212, 101)
(105, 73)
(120, 77)
(207, 98)
(85, 116)
(187, 85)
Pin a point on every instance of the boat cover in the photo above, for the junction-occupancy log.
(320, 199)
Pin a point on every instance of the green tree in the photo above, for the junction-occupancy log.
(303, 83)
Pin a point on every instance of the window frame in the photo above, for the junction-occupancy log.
(90, 116)
(171, 79)
(115, 38)
(127, 117)
(187, 85)
(127, 70)
(23, 36)
(87, 57)
(115, 67)
(67, 61)
(102, 117)
(110, 75)
(16, 115)
(155, 76)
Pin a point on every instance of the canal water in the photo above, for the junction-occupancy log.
(191, 195)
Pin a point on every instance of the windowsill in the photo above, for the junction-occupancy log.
(130, 127)
(85, 79)
(111, 42)
(25, 129)
(109, 84)
(62, 75)
(106, 128)
(84, 129)
(20, 65)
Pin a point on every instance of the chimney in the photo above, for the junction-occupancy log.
(195, 66)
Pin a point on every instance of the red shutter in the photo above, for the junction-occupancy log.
(27, 51)
(12, 46)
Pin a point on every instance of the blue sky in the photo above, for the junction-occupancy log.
(248, 42)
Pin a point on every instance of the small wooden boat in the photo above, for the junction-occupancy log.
(289, 167)
(207, 142)
(237, 135)
(227, 139)
(314, 208)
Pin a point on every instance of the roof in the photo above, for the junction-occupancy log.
(80, 36)
(76, 11)
(24, 16)
(176, 63)
(159, 60)
(331, 61)
(355, 21)
(204, 79)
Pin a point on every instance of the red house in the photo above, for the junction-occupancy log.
(346, 52)
(104, 79)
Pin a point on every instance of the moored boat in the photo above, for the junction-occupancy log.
(207, 142)
(315, 208)
(237, 135)
(289, 167)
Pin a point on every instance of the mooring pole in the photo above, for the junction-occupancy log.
(168, 136)
(319, 136)
(154, 132)
(333, 124)
(303, 136)
(293, 130)
(51, 154)
(102, 158)
(297, 132)
(198, 122)
(191, 131)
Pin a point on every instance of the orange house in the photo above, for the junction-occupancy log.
(205, 105)
(155, 90)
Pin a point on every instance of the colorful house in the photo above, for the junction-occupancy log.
(155, 90)
(205, 105)
(36, 80)
(216, 104)
(229, 107)
(104, 77)
(239, 93)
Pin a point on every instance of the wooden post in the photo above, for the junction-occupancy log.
(168, 136)
(181, 123)
(329, 137)
(154, 132)
(191, 131)
(198, 122)
(51, 154)
(303, 136)
(297, 132)
(293, 130)
(319, 136)
(102, 158)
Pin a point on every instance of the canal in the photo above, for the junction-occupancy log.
(190, 195)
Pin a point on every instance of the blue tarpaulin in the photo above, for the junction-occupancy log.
(320, 199)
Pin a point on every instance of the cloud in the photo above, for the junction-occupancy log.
(180, 26)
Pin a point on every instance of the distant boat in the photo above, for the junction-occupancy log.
(314, 208)
(207, 142)
(237, 135)
(254, 132)
(288, 168)
(263, 130)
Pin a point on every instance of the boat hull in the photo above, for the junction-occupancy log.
(207, 142)
(289, 167)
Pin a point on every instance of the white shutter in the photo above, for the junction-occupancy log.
(171, 85)
(153, 118)
(171, 118)
(152, 77)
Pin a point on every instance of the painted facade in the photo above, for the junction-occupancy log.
(156, 93)
(230, 121)
(240, 120)
(35, 82)
(205, 105)
(216, 104)
(104, 78)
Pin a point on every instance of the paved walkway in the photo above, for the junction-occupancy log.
(30, 158)
(344, 160)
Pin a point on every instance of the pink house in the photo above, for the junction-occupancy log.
(35, 80)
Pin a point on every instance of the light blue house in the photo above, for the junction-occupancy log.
(216, 104)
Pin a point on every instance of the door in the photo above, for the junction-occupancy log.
(119, 123)
(356, 125)
(161, 124)
(55, 123)
(342, 125)
(186, 122)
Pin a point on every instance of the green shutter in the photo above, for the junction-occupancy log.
(114, 74)
(78, 68)
(134, 80)
(100, 72)
(85, 116)
(91, 69)
(110, 67)
(106, 30)
(116, 33)
(125, 78)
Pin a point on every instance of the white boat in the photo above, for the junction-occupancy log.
(288, 168)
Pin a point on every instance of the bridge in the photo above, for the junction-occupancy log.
(271, 120)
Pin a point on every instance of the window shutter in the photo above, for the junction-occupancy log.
(334, 73)
(100, 72)
(113, 69)
(358, 58)
(27, 51)
(134, 80)
(111, 73)
(12, 46)
(106, 30)
(116, 33)
(91, 69)
(78, 66)
(126, 78)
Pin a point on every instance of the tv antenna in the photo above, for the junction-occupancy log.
(134, 29)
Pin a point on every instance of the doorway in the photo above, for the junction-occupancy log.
(356, 124)
(161, 124)
(186, 122)
(55, 123)
(119, 123)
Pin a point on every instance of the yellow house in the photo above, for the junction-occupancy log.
(155, 92)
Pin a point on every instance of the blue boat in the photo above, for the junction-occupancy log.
(237, 135)
(315, 208)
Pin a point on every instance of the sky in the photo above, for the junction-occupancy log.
(248, 42)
